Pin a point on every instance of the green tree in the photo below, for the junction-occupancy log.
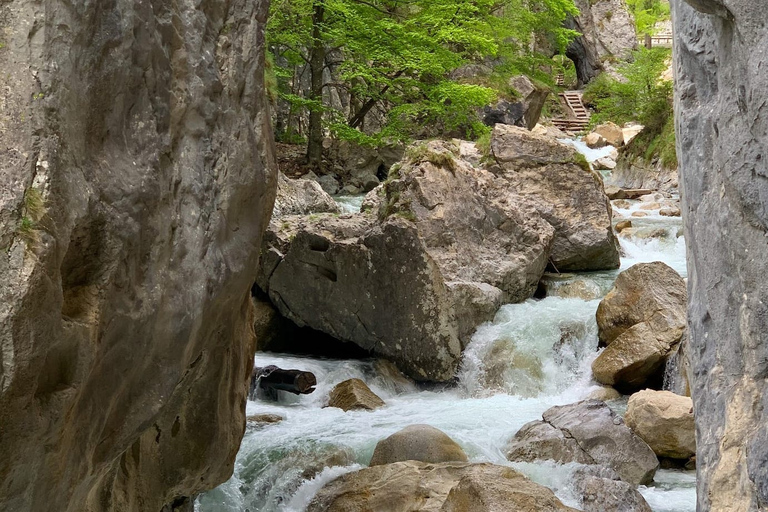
(398, 55)
(648, 13)
(642, 95)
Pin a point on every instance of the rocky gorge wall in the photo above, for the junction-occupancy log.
(136, 180)
(722, 126)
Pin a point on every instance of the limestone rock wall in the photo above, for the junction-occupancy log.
(136, 180)
(608, 34)
(722, 126)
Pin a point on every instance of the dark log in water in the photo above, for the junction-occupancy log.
(272, 379)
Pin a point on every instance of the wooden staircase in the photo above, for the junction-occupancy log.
(579, 120)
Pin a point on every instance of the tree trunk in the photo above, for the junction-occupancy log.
(316, 66)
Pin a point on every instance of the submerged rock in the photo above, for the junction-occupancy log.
(352, 395)
(566, 193)
(448, 487)
(587, 432)
(641, 320)
(417, 442)
(664, 420)
(264, 419)
(136, 136)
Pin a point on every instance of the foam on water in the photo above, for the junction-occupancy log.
(350, 204)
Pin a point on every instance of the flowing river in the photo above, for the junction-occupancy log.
(514, 369)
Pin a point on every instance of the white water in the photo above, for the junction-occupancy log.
(531, 357)
(350, 204)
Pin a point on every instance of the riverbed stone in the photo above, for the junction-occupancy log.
(139, 134)
(567, 194)
(353, 395)
(587, 432)
(446, 487)
(600, 489)
(622, 225)
(423, 443)
(664, 420)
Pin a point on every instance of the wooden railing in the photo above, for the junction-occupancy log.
(659, 41)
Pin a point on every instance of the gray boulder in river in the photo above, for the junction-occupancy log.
(136, 179)
(586, 432)
(722, 123)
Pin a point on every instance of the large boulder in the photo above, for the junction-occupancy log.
(587, 432)
(641, 320)
(448, 487)
(664, 420)
(300, 197)
(371, 284)
(136, 180)
(475, 228)
(353, 395)
(439, 248)
(721, 135)
(608, 34)
(611, 132)
(417, 442)
(524, 111)
(565, 191)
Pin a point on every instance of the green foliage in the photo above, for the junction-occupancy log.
(398, 57)
(34, 209)
(581, 161)
(483, 145)
(641, 96)
(647, 14)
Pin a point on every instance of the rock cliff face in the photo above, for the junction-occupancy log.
(136, 179)
(722, 126)
(608, 33)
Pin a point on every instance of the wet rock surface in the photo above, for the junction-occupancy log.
(602, 490)
(352, 395)
(137, 138)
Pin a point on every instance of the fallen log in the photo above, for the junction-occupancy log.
(272, 379)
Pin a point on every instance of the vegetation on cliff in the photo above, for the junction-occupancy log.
(640, 94)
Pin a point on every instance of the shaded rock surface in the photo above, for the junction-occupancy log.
(447, 487)
(587, 432)
(664, 420)
(635, 172)
(642, 320)
(567, 194)
(140, 136)
(353, 394)
(423, 443)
